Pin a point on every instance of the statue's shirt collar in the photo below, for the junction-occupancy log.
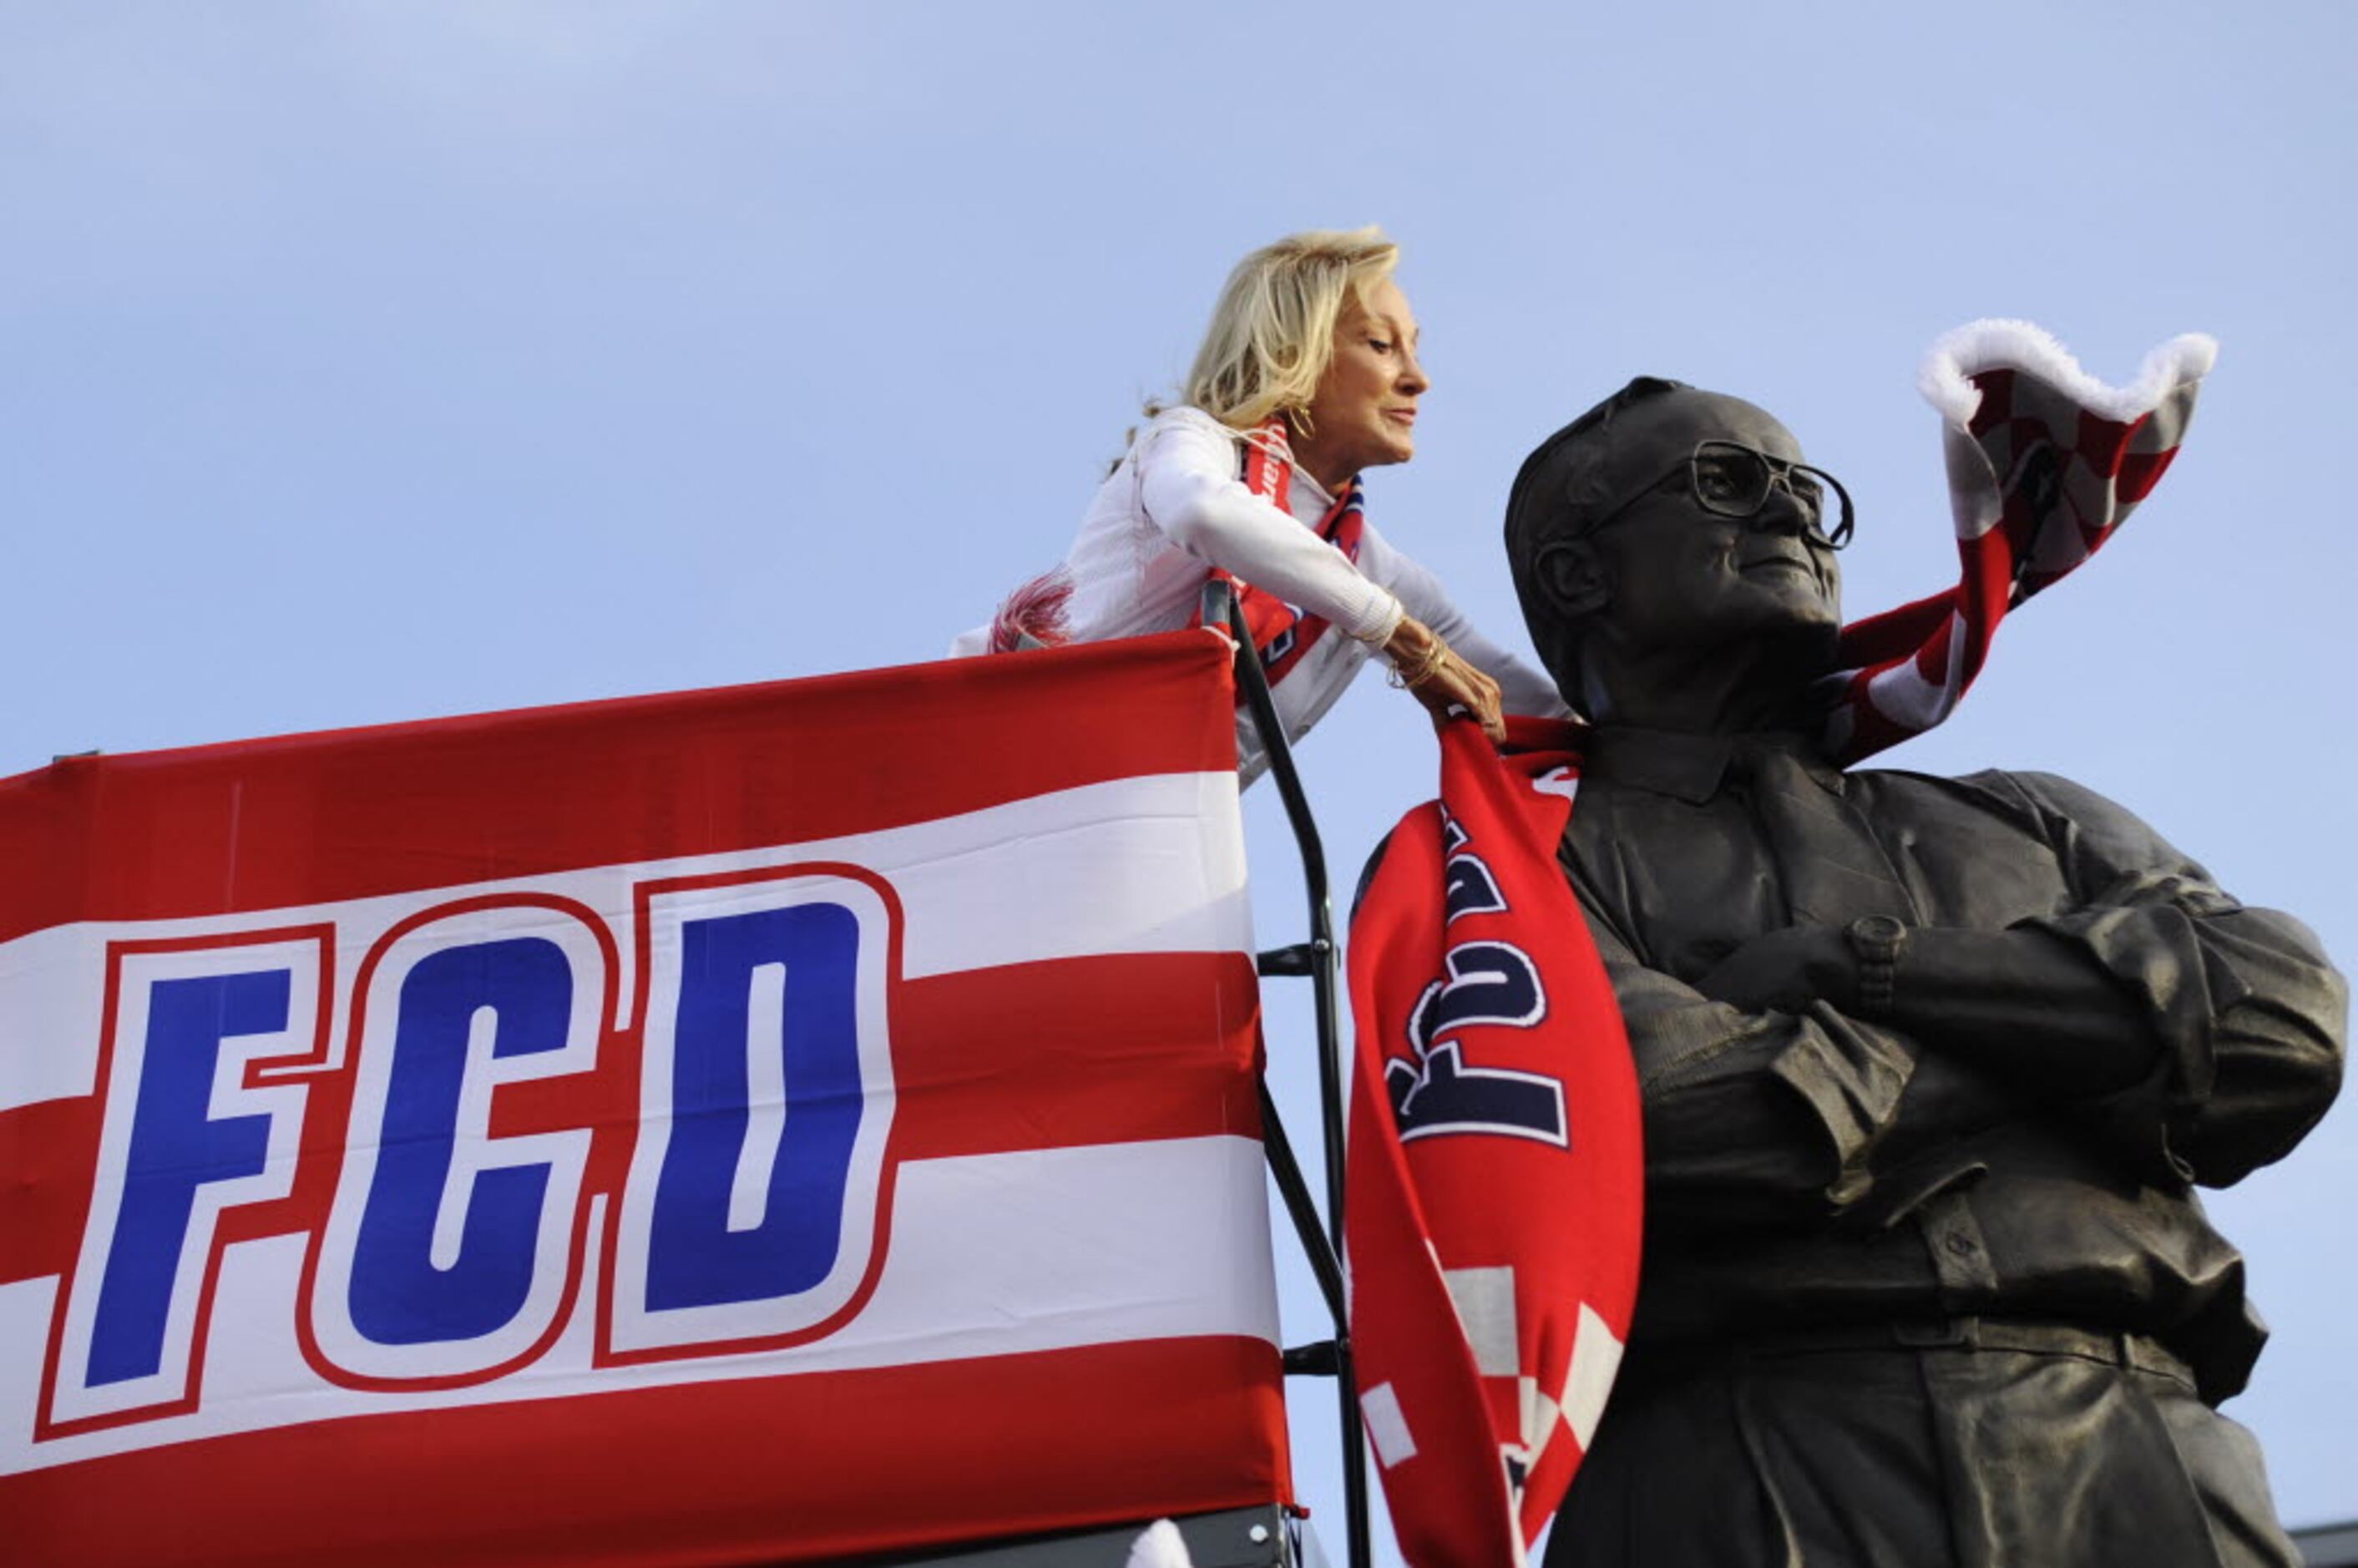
(1695, 767)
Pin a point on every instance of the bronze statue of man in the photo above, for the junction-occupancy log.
(1929, 1066)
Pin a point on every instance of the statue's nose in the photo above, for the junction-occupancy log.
(1781, 512)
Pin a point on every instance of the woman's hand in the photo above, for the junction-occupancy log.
(1438, 678)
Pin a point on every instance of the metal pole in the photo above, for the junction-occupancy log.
(1319, 964)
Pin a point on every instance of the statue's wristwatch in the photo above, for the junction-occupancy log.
(1877, 940)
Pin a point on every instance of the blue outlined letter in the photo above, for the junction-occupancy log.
(753, 1211)
(746, 1212)
(178, 1148)
(430, 1263)
(204, 1038)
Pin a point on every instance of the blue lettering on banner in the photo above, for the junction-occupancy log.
(521, 990)
(714, 1240)
(443, 1253)
(175, 1150)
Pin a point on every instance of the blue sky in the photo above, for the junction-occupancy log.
(367, 360)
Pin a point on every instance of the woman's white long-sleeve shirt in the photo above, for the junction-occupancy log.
(1174, 510)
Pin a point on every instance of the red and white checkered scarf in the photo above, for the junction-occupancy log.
(1283, 632)
(2045, 464)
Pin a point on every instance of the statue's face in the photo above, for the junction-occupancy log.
(1682, 575)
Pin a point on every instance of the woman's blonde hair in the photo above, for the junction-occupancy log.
(1272, 333)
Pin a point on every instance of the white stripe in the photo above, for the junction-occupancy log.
(1152, 864)
(1541, 1419)
(1149, 865)
(1485, 1300)
(990, 1255)
(471, 1130)
(766, 1097)
(1975, 501)
(1558, 781)
(1380, 1407)
(1902, 694)
(1595, 1356)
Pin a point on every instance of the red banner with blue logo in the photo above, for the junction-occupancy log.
(760, 1125)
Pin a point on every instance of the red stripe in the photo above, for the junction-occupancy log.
(1077, 1051)
(1117, 1049)
(791, 1469)
(1896, 635)
(347, 813)
(1996, 405)
(2099, 442)
(47, 1152)
(2140, 471)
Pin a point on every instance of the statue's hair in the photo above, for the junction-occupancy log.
(1558, 495)
(1272, 332)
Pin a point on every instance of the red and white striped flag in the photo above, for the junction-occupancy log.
(758, 1125)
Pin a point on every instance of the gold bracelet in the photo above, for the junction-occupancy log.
(1428, 664)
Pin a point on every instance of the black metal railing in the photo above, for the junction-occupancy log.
(1314, 960)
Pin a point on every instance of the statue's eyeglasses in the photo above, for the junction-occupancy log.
(1730, 479)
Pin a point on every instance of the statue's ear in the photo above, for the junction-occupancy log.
(1574, 576)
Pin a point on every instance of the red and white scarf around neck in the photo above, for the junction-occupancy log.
(1283, 632)
(1034, 615)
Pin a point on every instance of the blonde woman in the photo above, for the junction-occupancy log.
(1308, 377)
